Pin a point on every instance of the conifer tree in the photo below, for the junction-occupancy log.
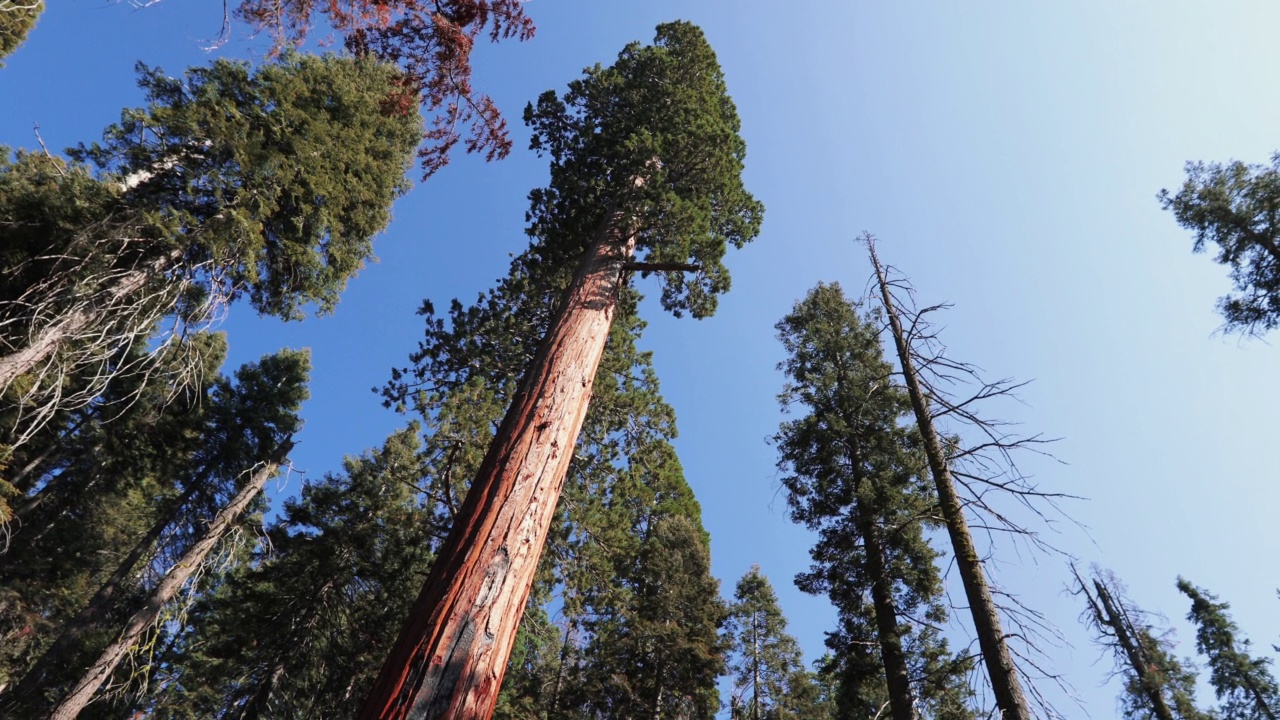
(1156, 684)
(645, 159)
(658, 652)
(267, 184)
(17, 17)
(298, 630)
(218, 465)
(1242, 682)
(765, 658)
(1234, 206)
(856, 476)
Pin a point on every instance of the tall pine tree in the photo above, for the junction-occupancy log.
(766, 660)
(856, 476)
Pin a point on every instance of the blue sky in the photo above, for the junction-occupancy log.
(1007, 154)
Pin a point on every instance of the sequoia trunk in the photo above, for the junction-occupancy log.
(452, 652)
(1005, 684)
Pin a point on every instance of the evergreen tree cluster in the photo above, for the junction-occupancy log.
(144, 574)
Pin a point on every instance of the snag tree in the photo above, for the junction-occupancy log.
(984, 465)
(646, 160)
(1156, 684)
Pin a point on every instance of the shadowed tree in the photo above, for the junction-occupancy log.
(646, 160)
(300, 630)
(221, 462)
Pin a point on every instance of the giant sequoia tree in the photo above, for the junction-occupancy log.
(268, 185)
(856, 476)
(646, 160)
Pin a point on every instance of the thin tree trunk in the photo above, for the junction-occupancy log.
(1005, 684)
(554, 705)
(49, 340)
(1109, 614)
(452, 653)
(755, 666)
(1259, 699)
(83, 692)
(98, 605)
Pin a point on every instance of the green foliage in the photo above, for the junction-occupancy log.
(1176, 679)
(856, 476)
(1244, 683)
(766, 660)
(17, 17)
(1237, 207)
(301, 630)
(148, 481)
(657, 652)
(279, 177)
(655, 138)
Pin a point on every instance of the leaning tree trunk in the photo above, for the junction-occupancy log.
(83, 692)
(452, 652)
(92, 613)
(1110, 614)
(1005, 684)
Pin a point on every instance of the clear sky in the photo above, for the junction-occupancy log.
(1006, 153)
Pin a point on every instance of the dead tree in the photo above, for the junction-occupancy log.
(965, 477)
(1155, 681)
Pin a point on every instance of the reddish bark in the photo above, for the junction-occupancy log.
(452, 653)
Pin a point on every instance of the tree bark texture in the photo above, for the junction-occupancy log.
(1001, 670)
(174, 579)
(452, 653)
